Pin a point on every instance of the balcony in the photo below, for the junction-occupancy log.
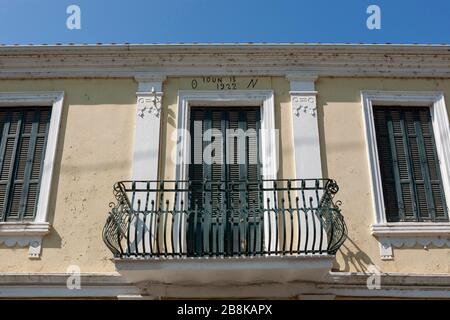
(204, 231)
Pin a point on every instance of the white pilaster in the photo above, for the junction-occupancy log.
(148, 123)
(306, 146)
(146, 153)
(305, 126)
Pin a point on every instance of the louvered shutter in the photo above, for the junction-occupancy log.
(412, 184)
(228, 198)
(194, 236)
(22, 146)
(254, 196)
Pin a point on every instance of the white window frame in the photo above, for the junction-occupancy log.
(408, 234)
(262, 98)
(31, 233)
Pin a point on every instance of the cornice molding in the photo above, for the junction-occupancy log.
(30, 98)
(137, 61)
(150, 77)
(393, 285)
(302, 76)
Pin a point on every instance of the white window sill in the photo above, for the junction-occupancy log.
(410, 234)
(24, 234)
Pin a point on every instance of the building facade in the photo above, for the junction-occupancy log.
(225, 171)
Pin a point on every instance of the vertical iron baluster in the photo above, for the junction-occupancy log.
(210, 232)
(228, 224)
(158, 216)
(232, 237)
(270, 227)
(317, 188)
(276, 212)
(144, 252)
(260, 239)
(166, 214)
(195, 245)
(255, 230)
(152, 218)
(223, 223)
(244, 215)
(305, 210)
(136, 228)
(174, 212)
(291, 214)
(217, 222)
(204, 218)
(190, 243)
(172, 226)
(238, 227)
(299, 224)
(319, 215)
(130, 213)
(215, 234)
(180, 229)
(283, 214)
(313, 225)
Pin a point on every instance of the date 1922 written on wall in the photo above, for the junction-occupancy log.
(224, 83)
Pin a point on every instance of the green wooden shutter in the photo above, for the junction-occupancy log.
(254, 198)
(22, 146)
(230, 211)
(236, 176)
(196, 166)
(412, 184)
(194, 235)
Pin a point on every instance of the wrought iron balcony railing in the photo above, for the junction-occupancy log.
(221, 218)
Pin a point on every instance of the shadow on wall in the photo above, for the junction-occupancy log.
(355, 260)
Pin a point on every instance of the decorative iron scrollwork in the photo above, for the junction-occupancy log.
(172, 219)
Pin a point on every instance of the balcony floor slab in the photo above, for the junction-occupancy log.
(208, 270)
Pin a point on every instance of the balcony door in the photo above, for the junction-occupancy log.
(226, 211)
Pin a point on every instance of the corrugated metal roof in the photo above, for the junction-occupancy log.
(227, 44)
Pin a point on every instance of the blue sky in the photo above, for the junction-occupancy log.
(174, 21)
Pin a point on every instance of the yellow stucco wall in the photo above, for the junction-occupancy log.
(95, 150)
(344, 158)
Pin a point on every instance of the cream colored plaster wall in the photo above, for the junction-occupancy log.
(94, 151)
(345, 159)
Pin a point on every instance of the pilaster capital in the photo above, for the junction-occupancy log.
(149, 95)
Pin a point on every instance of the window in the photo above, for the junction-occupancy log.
(410, 172)
(29, 129)
(409, 163)
(23, 137)
(264, 100)
(225, 173)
